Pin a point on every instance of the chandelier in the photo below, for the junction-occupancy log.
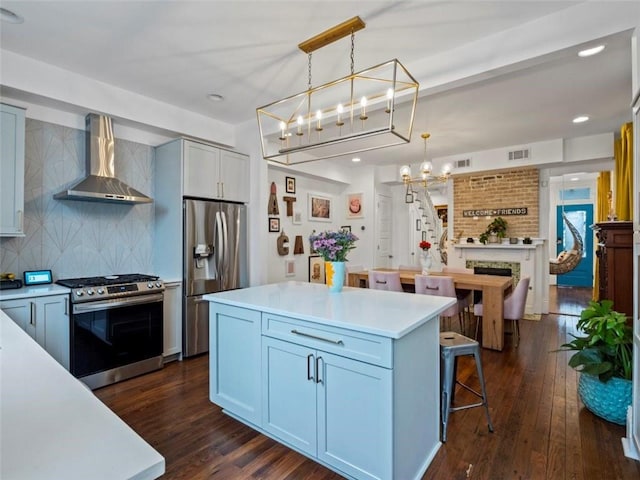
(367, 110)
(426, 174)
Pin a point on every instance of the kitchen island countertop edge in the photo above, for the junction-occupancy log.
(388, 314)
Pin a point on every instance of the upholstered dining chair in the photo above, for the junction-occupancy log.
(443, 287)
(465, 297)
(514, 304)
(389, 281)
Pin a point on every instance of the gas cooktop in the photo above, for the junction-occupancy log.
(111, 286)
(106, 280)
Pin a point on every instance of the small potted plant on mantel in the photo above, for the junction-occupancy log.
(495, 232)
(604, 359)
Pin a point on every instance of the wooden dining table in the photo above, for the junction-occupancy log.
(493, 288)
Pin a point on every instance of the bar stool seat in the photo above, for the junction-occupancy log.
(452, 346)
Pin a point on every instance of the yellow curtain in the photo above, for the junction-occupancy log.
(603, 190)
(624, 173)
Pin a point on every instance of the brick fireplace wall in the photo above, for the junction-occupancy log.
(499, 189)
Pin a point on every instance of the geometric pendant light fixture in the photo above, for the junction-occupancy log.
(366, 110)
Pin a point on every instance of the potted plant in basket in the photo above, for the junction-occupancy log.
(604, 359)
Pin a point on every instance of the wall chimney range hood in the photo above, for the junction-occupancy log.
(100, 184)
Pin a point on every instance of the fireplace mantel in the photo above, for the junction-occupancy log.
(528, 248)
(533, 260)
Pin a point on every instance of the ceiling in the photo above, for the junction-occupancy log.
(524, 84)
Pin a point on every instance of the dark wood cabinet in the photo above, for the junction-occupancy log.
(615, 264)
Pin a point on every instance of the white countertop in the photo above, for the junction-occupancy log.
(33, 291)
(389, 314)
(52, 426)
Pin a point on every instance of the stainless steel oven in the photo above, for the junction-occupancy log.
(116, 327)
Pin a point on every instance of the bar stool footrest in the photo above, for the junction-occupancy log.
(464, 407)
(468, 388)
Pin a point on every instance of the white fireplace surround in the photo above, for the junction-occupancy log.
(533, 260)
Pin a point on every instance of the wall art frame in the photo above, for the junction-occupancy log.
(316, 269)
(290, 184)
(442, 211)
(320, 208)
(355, 207)
(274, 225)
(289, 267)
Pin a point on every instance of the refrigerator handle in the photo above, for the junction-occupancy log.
(218, 248)
(225, 254)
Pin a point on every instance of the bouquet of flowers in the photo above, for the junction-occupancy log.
(333, 246)
(424, 245)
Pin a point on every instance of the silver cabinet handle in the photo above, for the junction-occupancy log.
(309, 359)
(318, 379)
(316, 337)
(222, 183)
(32, 316)
(66, 306)
(21, 221)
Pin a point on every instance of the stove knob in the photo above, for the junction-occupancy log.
(90, 291)
(100, 291)
(150, 285)
(158, 284)
(79, 293)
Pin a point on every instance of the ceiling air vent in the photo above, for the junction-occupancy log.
(522, 154)
(462, 163)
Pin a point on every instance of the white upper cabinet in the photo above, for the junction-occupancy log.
(234, 176)
(201, 170)
(210, 172)
(12, 126)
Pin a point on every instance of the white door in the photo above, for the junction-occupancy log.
(383, 231)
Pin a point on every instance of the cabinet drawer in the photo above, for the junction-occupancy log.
(365, 347)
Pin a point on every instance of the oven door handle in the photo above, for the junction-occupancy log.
(117, 303)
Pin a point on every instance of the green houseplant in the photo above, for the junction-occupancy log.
(497, 227)
(604, 359)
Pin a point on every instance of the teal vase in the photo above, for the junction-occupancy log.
(334, 275)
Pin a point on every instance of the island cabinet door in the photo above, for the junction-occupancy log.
(355, 424)
(234, 360)
(288, 384)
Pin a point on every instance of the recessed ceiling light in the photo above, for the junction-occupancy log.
(355, 159)
(591, 51)
(574, 179)
(10, 17)
(215, 97)
(581, 119)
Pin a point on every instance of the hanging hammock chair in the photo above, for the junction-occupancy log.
(568, 260)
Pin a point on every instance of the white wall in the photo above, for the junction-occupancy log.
(361, 182)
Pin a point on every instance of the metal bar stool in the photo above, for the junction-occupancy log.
(453, 345)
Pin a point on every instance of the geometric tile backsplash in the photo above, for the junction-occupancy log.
(78, 238)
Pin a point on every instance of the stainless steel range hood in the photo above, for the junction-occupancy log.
(100, 184)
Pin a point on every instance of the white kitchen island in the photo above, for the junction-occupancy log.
(350, 379)
(53, 427)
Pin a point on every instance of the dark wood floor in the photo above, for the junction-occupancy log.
(542, 431)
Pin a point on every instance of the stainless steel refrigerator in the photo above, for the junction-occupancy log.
(215, 259)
